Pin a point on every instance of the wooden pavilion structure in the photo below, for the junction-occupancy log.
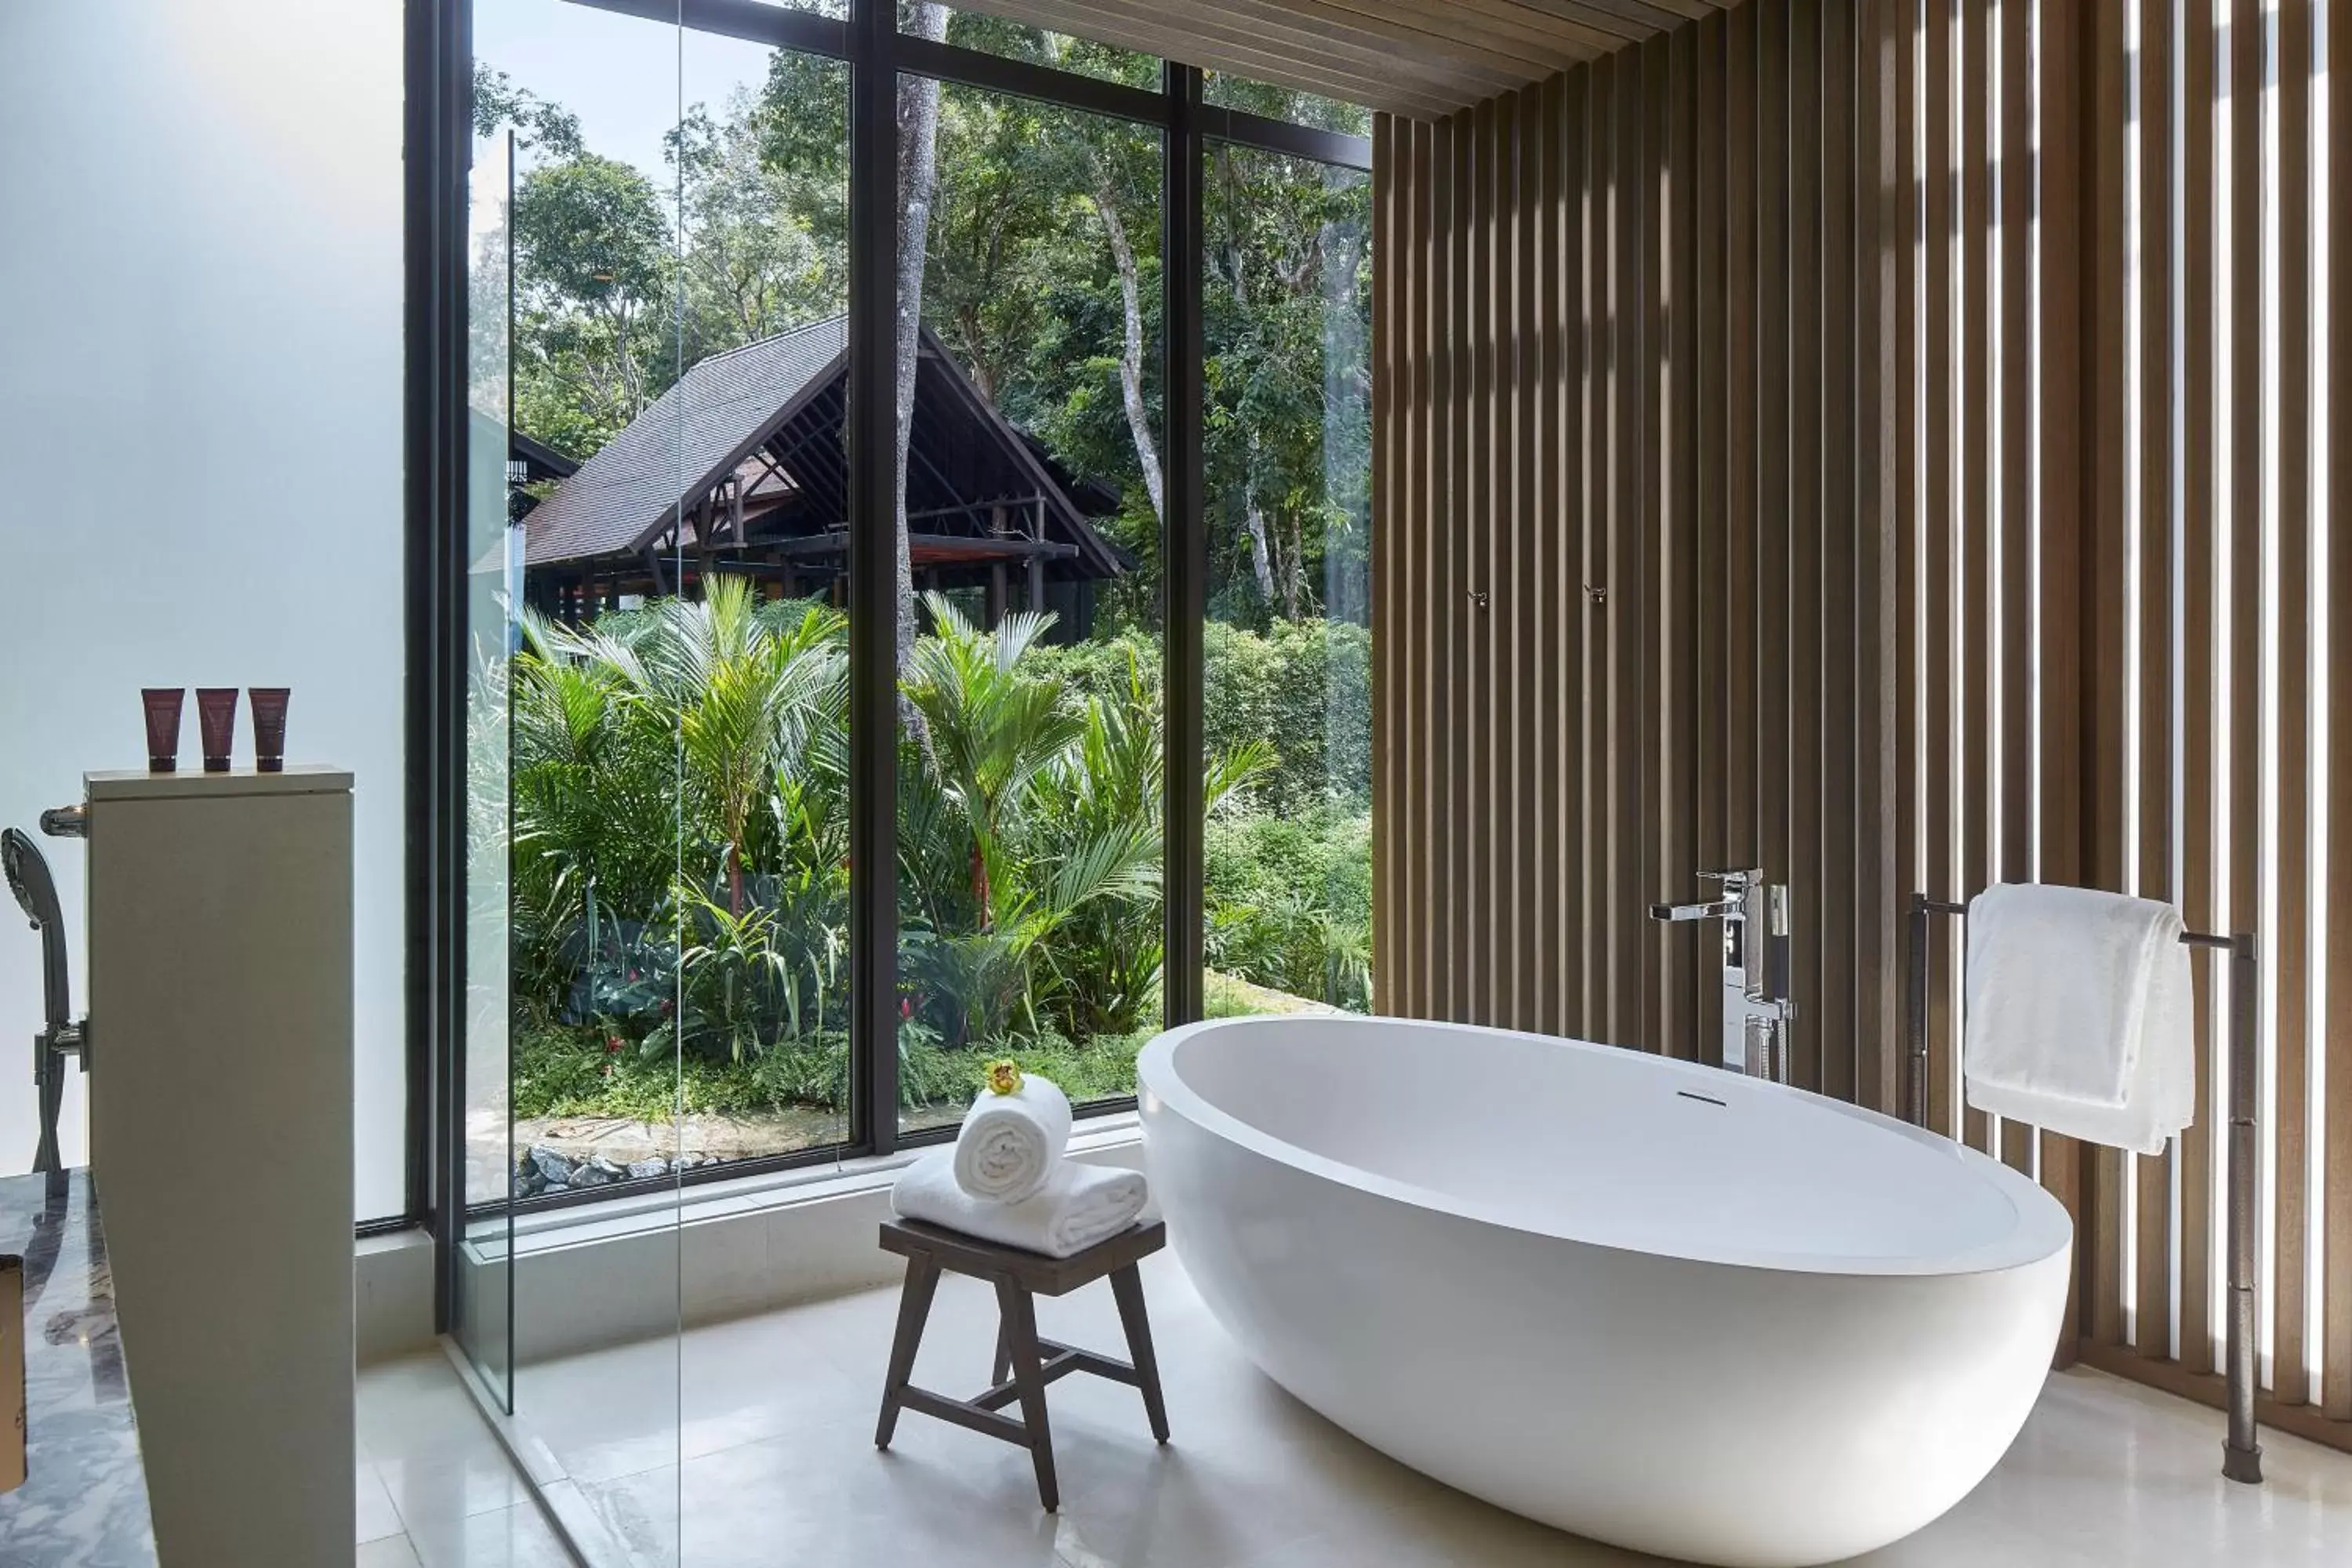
(742, 467)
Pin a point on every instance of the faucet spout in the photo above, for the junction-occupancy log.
(1757, 1008)
(1719, 910)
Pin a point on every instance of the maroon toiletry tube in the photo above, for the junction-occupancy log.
(269, 727)
(163, 704)
(217, 719)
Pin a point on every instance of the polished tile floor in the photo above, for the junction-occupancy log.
(774, 1416)
(435, 1489)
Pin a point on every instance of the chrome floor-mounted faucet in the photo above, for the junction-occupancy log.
(1756, 1007)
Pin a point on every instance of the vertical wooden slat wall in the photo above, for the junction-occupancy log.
(2241, 603)
(1884, 441)
(2334, 787)
(1644, 503)
(2150, 1281)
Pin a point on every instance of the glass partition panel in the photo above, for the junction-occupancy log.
(1287, 318)
(593, 97)
(485, 1305)
(598, 769)
(1029, 779)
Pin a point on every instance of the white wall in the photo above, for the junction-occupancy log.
(200, 440)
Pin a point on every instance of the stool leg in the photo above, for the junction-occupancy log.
(1126, 1286)
(914, 1309)
(1001, 1367)
(1020, 1337)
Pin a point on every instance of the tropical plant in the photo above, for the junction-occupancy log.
(993, 731)
(1050, 801)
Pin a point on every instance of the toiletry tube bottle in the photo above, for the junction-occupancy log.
(270, 728)
(217, 719)
(163, 704)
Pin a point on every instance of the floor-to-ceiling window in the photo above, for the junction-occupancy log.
(1031, 762)
(1286, 316)
(693, 501)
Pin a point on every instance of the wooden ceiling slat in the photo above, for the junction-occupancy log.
(1421, 58)
(1501, 25)
(1623, 20)
(1327, 70)
(1549, 20)
(1520, 49)
(1654, 14)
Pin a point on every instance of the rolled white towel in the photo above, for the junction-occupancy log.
(1010, 1144)
(1078, 1205)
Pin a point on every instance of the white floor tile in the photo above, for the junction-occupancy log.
(373, 1512)
(415, 1408)
(428, 1492)
(392, 1552)
(516, 1537)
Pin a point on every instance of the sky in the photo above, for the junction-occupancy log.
(625, 78)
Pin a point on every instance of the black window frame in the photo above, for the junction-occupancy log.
(438, 148)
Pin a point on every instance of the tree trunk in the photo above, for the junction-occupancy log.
(1294, 570)
(918, 152)
(1253, 514)
(1261, 558)
(1131, 357)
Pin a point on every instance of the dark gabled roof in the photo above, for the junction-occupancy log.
(540, 461)
(702, 428)
(770, 413)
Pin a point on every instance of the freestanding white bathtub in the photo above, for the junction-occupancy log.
(1646, 1302)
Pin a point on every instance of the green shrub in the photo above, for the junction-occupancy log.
(1289, 901)
(589, 1072)
(680, 844)
(1303, 686)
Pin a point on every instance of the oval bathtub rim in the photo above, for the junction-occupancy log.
(2042, 1227)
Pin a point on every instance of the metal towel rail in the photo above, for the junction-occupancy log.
(2242, 1454)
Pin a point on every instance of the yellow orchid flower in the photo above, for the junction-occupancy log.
(1003, 1078)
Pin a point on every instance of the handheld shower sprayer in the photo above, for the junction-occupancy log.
(59, 1036)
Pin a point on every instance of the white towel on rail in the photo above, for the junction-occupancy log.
(2079, 1013)
(1010, 1144)
(1077, 1206)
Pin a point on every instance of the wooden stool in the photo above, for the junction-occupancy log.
(1019, 1277)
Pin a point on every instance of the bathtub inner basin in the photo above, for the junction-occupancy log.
(1604, 1145)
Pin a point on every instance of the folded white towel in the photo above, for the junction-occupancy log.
(1078, 1205)
(2079, 1015)
(1010, 1144)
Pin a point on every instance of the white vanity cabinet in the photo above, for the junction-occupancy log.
(220, 1096)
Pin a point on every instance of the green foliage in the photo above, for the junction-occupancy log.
(594, 262)
(1287, 428)
(538, 125)
(680, 787)
(594, 1072)
(579, 1072)
(1032, 863)
(1289, 901)
(764, 207)
(1304, 687)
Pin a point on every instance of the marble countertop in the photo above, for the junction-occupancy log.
(84, 1502)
